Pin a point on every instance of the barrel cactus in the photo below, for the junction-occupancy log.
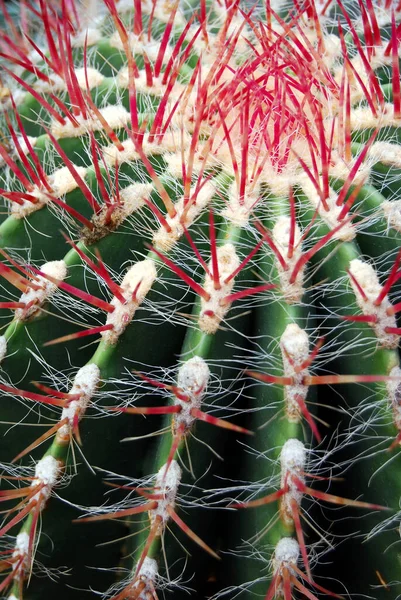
(200, 267)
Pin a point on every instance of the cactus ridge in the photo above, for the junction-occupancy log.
(200, 264)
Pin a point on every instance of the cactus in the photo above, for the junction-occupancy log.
(200, 265)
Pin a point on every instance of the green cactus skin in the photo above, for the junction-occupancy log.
(200, 260)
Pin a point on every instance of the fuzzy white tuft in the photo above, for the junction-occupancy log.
(47, 474)
(200, 159)
(368, 280)
(293, 461)
(147, 574)
(3, 347)
(136, 284)
(392, 212)
(116, 116)
(156, 89)
(85, 384)
(35, 298)
(386, 153)
(193, 377)
(292, 292)
(22, 543)
(87, 37)
(294, 345)
(286, 553)
(166, 484)
(21, 553)
(363, 118)
(215, 309)
(186, 215)
(330, 216)
(238, 210)
(47, 471)
(61, 181)
(57, 84)
(134, 196)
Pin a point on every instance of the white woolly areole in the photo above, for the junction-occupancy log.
(116, 117)
(47, 473)
(35, 298)
(286, 554)
(88, 36)
(200, 159)
(85, 384)
(20, 211)
(21, 551)
(363, 118)
(172, 142)
(293, 460)
(148, 569)
(147, 574)
(134, 287)
(294, 345)
(112, 155)
(279, 183)
(386, 153)
(341, 169)
(392, 212)
(156, 89)
(24, 147)
(162, 11)
(330, 217)
(292, 292)
(61, 181)
(57, 83)
(239, 208)
(21, 544)
(368, 280)
(3, 347)
(215, 309)
(394, 393)
(126, 5)
(193, 377)
(166, 484)
(186, 215)
(134, 196)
